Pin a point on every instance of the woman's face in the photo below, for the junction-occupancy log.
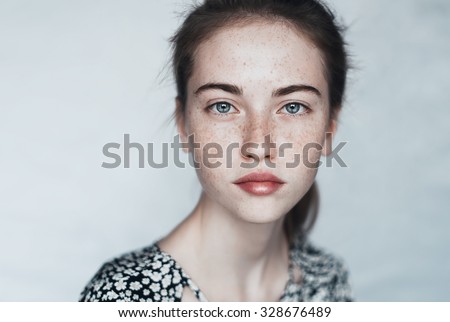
(258, 93)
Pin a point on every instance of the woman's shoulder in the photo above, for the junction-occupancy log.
(147, 274)
(325, 275)
(318, 258)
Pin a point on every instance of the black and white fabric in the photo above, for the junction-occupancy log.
(152, 275)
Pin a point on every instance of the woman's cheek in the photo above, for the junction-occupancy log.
(213, 140)
(303, 150)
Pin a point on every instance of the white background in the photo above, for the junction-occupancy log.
(75, 75)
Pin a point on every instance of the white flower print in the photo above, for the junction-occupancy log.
(156, 276)
(156, 265)
(155, 287)
(131, 272)
(179, 291)
(97, 286)
(135, 286)
(166, 280)
(120, 285)
(111, 295)
(176, 278)
(165, 269)
(117, 276)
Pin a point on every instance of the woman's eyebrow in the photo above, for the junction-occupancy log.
(230, 88)
(236, 90)
(296, 88)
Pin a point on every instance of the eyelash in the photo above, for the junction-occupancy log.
(211, 107)
(307, 109)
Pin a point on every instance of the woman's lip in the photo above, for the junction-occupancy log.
(260, 188)
(259, 177)
(259, 183)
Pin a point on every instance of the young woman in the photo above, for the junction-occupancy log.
(262, 82)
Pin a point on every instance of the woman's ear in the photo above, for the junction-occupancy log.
(330, 132)
(180, 120)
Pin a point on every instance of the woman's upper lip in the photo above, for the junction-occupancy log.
(259, 177)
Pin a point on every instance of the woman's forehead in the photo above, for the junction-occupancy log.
(261, 53)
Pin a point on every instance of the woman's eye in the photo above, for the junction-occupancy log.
(295, 108)
(221, 107)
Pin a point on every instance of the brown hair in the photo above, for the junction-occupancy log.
(312, 18)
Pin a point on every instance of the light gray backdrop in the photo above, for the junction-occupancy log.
(75, 75)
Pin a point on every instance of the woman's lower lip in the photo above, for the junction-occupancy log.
(260, 188)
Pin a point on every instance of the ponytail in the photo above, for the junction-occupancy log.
(301, 218)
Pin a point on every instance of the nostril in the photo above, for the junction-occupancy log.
(249, 150)
(262, 149)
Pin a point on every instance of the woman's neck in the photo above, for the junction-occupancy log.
(228, 258)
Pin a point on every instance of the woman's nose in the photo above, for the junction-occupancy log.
(258, 140)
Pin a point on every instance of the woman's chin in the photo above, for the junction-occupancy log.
(260, 213)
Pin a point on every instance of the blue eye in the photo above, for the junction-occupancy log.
(295, 108)
(221, 107)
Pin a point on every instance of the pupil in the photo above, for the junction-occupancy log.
(223, 108)
(293, 108)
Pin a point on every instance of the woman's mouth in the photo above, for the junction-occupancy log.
(259, 183)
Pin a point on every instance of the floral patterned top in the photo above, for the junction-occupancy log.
(152, 275)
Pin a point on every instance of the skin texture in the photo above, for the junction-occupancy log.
(230, 232)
